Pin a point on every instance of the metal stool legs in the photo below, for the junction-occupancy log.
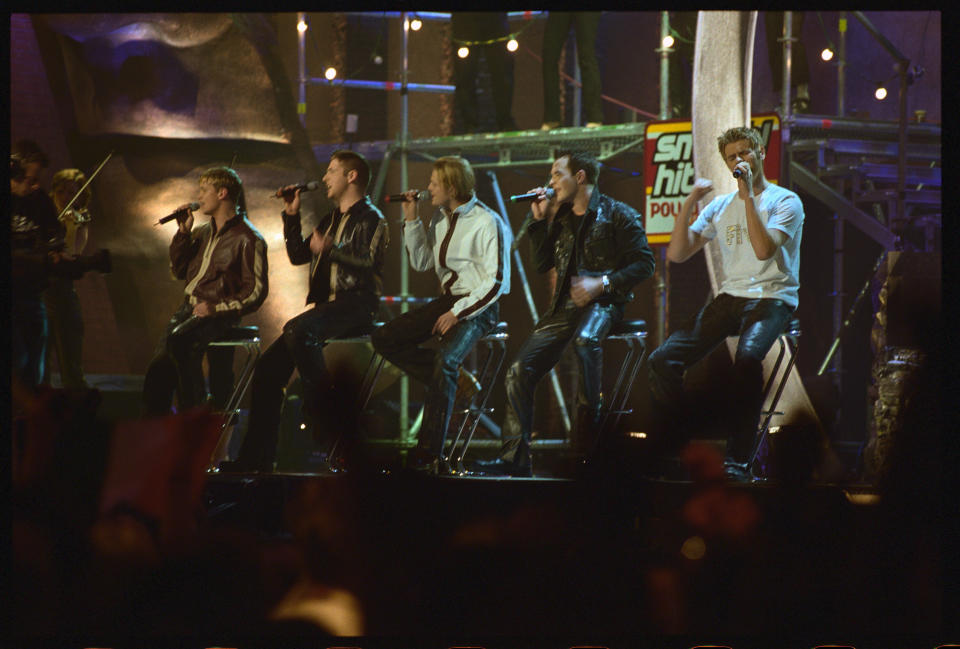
(789, 339)
(634, 333)
(364, 392)
(477, 407)
(246, 338)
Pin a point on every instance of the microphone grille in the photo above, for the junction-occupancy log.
(313, 185)
(194, 206)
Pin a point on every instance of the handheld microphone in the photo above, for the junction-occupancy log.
(402, 198)
(179, 213)
(303, 187)
(531, 196)
(737, 173)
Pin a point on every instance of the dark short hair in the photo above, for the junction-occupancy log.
(353, 161)
(27, 152)
(581, 160)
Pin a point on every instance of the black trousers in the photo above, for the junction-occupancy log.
(28, 338)
(585, 25)
(399, 342)
(299, 347)
(66, 332)
(758, 322)
(481, 26)
(587, 327)
(177, 367)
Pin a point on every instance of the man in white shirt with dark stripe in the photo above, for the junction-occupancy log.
(468, 245)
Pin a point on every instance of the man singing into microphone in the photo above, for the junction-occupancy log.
(224, 263)
(347, 250)
(758, 228)
(599, 250)
(468, 247)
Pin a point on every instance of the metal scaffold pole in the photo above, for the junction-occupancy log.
(405, 433)
(302, 67)
(661, 278)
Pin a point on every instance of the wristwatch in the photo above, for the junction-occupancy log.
(606, 284)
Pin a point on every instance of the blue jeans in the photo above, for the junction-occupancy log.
(758, 322)
(399, 342)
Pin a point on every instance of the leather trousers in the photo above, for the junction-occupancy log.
(399, 341)
(758, 323)
(178, 364)
(299, 347)
(587, 327)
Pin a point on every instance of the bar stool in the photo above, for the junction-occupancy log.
(789, 339)
(634, 334)
(496, 344)
(360, 335)
(246, 338)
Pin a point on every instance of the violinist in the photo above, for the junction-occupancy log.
(63, 305)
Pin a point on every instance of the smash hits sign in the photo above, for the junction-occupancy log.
(669, 171)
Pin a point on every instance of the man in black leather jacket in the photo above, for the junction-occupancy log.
(346, 280)
(599, 250)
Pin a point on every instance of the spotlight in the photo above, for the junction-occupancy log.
(330, 73)
(512, 45)
(463, 52)
(302, 26)
(377, 59)
(826, 54)
(668, 41)
(416, 24)
(881, 92)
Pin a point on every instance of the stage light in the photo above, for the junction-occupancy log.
(330, 73)
(302, 26)
(463, 52)
(667, 41)
(512, 45)
(416, 24)
(826, 54)
(880, 93)
(377, 59)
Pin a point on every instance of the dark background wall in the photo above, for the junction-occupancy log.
(232, 100)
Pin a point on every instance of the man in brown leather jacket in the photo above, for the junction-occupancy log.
(224, 263)
(346, 251)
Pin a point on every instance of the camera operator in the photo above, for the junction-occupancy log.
(33, 225)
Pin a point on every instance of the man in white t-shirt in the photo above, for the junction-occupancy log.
(758, 228)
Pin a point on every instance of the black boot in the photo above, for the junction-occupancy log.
(514, 460)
